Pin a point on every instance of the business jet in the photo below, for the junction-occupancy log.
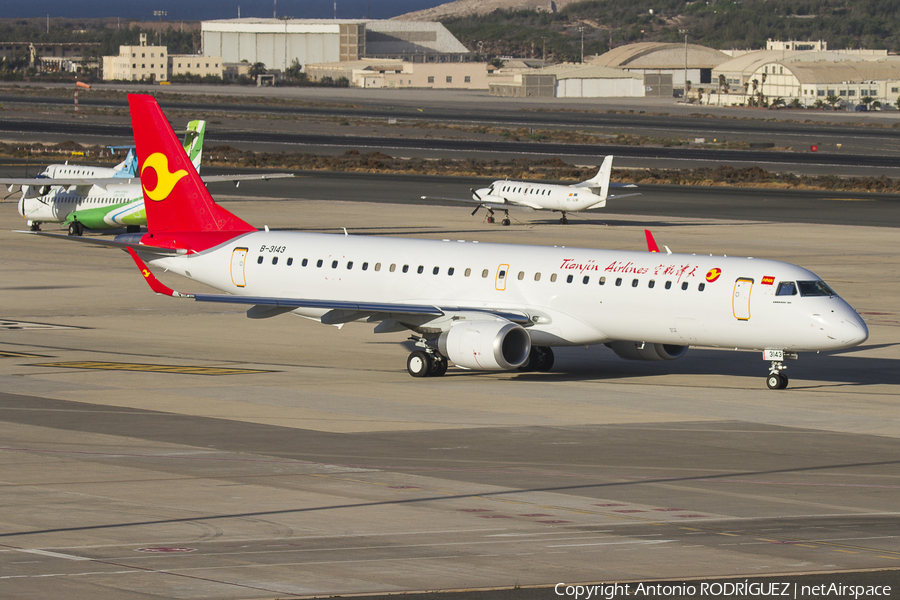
(83, 197)
(483, 307)
(504, 194)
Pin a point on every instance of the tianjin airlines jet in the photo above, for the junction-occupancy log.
(504, 194)
(479, 306)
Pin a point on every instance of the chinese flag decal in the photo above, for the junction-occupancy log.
(713, 274)
(768, 280)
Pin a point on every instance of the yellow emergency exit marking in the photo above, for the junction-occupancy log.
(180, 369)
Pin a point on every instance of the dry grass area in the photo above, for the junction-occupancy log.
(552, 169)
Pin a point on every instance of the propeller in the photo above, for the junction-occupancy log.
(475, 195)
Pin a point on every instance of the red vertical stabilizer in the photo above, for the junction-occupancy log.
(175, 198)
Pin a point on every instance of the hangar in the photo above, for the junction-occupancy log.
(277, 43)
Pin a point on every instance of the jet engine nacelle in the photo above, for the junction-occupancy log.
(486, 345)
(644, 351)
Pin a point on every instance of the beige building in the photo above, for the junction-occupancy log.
(137, 63)
(194, 64)
(849, 75)
(386, 73)
(48, 56)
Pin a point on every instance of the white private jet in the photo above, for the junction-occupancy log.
(504, 194)
(84, 197)
(481, 306)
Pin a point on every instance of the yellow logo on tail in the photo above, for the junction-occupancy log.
(165, 180)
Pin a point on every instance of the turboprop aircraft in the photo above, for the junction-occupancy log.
(84, 197)
(481, 306)
(504, 194)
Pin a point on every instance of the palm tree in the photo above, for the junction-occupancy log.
(257, 69)
(832, 100)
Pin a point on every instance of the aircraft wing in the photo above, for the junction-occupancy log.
(237, 179)
(48, 182)
(482, 203)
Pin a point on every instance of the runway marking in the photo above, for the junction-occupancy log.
(642, 542)
(52, 554)
(18, 325)
(6, 354)
(178, 369)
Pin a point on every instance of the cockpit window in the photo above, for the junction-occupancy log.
(815, 288)
(786, 288)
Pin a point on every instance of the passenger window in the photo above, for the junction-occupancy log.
(570, 278)
(701, 287)
(393, 267)
(290, 261)
(334, 264)
(668, 285)
(634, 283)
(319, 263)
(377, 266)
(259, 260)
(349, 264)
(450, 271)
(521, 275)
(537, 276)
(436, 270)
(651, 283)
(553, 277)
(684, 285)
(585, 280)
(786, 288)
(406, 268)
(274, 260)
(420, 270)
(484, 274)
(468, 272)
(365, 266)
(603, 281)
(618, 281)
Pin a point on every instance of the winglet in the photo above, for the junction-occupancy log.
(152, 281)
(651, 243)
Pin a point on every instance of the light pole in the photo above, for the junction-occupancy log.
(160, 14)
(581, 29)
(543, 51)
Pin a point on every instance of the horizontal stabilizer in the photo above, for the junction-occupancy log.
(99, 241)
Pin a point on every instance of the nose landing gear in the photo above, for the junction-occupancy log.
(776, 379)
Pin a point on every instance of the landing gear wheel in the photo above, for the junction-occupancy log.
(776, 381)
(505, 222)
(438, 366)
(546, 362)
(35, 227)
(419, 364)
(133, 229)
(76, 228)
(490, 219)
(539, 359)
(563, 220)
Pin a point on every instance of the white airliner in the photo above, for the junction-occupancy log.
(504, 194)
(480, 306)
(84, 197)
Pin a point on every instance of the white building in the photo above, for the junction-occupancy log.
(195, 64)
(390, 73)
(277, 43)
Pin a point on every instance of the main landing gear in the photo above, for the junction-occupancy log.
(35, 226)
(426, 364)
(539, 359)
(776, 379)
(563, 220)
(76, 228)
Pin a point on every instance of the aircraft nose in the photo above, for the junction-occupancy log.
(853, 329)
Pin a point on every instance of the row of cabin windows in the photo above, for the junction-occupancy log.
(533, 191)
(484, 273)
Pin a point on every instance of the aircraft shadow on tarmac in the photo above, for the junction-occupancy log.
(597, 362)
